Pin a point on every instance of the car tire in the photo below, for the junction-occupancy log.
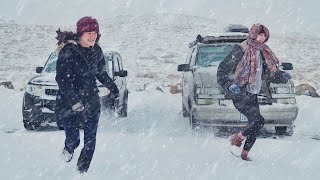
(281, 130)
(185, 112)
(30, 126)
(124, 110)
(32, 116)
(192, 120)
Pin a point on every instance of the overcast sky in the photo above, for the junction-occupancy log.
(279, 15)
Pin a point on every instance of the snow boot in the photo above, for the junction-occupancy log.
(66, 155)
(82, 167)
(83, 164)
(236, 139)
(244, 155)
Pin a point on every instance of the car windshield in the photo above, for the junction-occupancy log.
(50, 66)
(212, 55)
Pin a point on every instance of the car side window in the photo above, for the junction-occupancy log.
(116, 63)
(189, 57)
(193, 57)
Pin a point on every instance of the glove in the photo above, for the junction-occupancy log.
(286, 75)
(235, 89)
(78, 107)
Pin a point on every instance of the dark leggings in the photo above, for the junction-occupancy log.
(249, 107)
(72, 141)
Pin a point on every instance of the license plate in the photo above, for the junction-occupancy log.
(243, 118)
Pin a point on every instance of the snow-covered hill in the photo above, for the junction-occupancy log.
(151, 45)
(283, 16)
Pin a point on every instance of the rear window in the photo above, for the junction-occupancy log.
(212, 55)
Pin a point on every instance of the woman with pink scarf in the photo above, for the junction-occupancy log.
(254, 70)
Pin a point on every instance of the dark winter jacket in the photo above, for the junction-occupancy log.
(226, 77)
(77, 71)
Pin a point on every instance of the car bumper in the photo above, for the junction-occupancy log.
(47, 104)
(216, 115)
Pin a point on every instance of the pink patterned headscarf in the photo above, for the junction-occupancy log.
(247, 68)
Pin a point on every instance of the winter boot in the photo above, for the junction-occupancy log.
(82, 167)
(236, 139)
(244, 155)
(83, 163)
(66, 155)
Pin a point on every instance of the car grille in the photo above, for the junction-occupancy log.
(51, 92)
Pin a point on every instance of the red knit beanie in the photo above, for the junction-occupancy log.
(87, 24)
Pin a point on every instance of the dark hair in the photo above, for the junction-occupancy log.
(64, 36)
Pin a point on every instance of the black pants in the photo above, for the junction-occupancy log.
(249, 106)
(71, 128)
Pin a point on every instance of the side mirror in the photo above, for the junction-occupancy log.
(121, 73)
(39, 69)
(286, 66)
(184, 67)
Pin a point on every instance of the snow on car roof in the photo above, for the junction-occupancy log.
(219, 37)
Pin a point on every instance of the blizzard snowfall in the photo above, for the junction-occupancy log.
(154, 141)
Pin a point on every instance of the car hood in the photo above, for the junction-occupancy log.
(206, 76)
(44, 79)
(48, 79)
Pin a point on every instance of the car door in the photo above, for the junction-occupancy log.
(188, 77)
(117, 67)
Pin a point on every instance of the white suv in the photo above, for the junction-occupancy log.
(203, 100)
(41, 91)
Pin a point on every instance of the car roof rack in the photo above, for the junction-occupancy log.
(237, 38)
(236, 28)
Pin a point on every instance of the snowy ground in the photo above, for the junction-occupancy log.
(154, 141)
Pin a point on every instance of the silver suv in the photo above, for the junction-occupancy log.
(203, 100)
(41, 91)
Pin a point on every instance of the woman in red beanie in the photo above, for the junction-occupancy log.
(80, 62)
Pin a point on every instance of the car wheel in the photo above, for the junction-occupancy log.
(192, 121)
(124, 109)
(30, 126)
(32, 116)
(185, 112)
(281, 130)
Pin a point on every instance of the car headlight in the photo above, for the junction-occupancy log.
(35, 90)
(210, 91)
(208, 95)
(284, 90)
(207, 101)
(103, 91)
(287, 101)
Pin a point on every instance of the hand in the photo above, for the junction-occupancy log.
(286, 75)
(235, 89)
(78, 107)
